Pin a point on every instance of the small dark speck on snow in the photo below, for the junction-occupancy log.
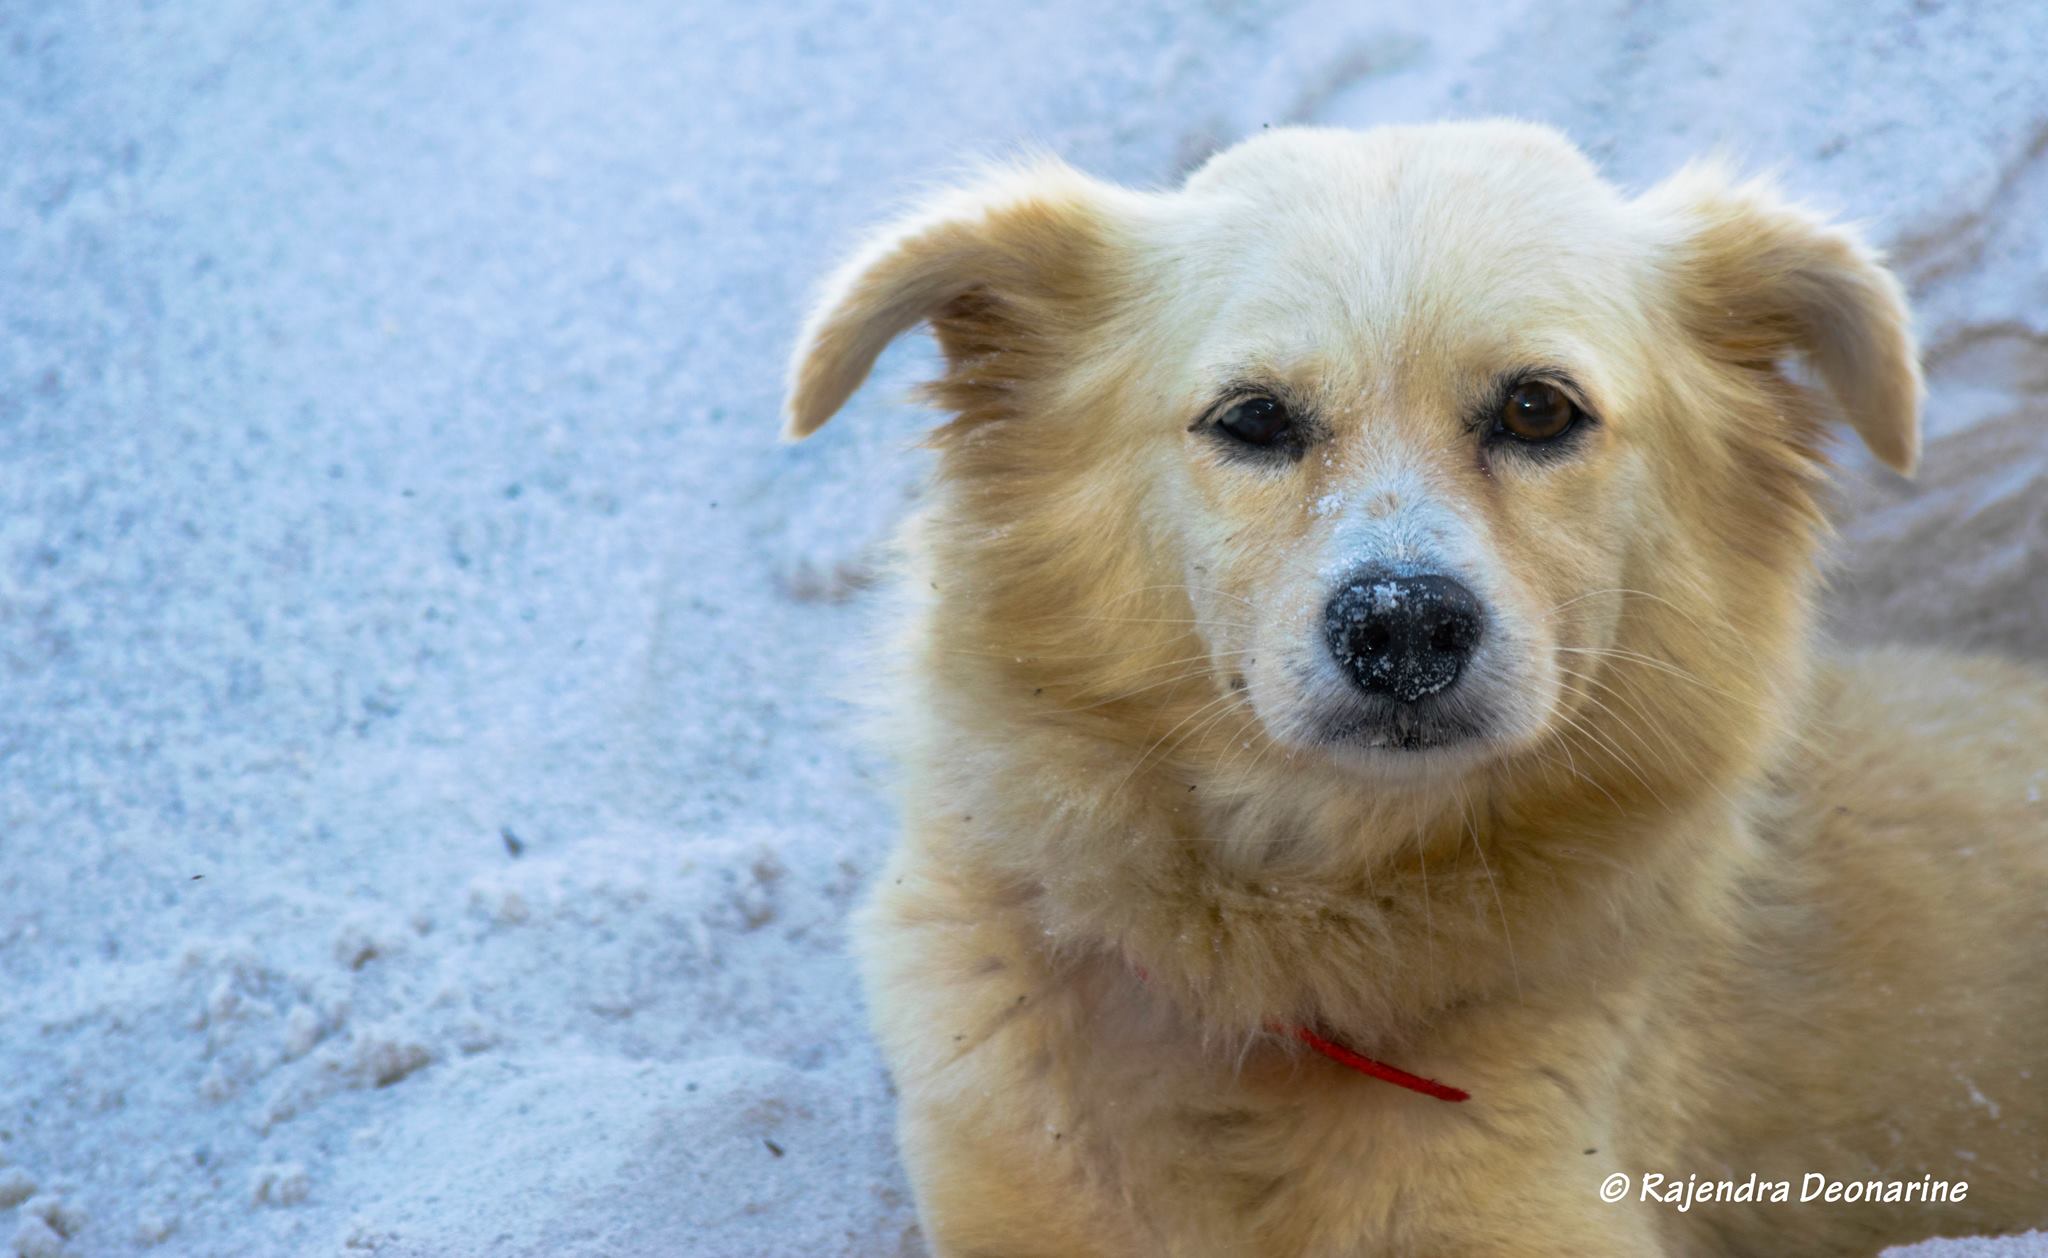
(513, 843)
(773, 1147)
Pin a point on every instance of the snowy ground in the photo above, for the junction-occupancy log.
(426, 822)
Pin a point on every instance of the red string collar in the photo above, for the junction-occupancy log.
(1378, 1069)
(1362, 1064)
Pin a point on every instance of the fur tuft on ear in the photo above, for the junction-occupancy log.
(1761, 278)
(1022, 237)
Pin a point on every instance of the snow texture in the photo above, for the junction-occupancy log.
(428, 814)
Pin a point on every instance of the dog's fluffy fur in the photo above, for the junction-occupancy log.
(1697, 897)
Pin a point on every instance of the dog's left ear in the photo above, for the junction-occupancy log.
(1021, 248)
(1759, 278)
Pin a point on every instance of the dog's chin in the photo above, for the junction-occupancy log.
(1436, 742)
(1404, 741)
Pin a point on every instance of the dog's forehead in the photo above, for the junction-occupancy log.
(1300, 242)
(1451, 173)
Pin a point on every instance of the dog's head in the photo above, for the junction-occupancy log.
(1415, 454)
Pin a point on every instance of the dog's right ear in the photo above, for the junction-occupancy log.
(1025, 244)
(1760, 278)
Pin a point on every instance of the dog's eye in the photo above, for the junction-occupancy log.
(1536, 411)
(1257, 421)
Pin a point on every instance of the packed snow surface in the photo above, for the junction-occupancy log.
(428, 808)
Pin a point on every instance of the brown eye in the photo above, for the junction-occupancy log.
(1257, 421)
(1536, 411)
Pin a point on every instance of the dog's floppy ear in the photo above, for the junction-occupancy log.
(1759, 278)
(1022, 241)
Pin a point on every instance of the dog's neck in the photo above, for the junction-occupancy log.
(1323, 900)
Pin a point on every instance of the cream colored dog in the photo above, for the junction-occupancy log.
(1365, 602)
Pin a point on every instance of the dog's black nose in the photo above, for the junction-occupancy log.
(1407, 637)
